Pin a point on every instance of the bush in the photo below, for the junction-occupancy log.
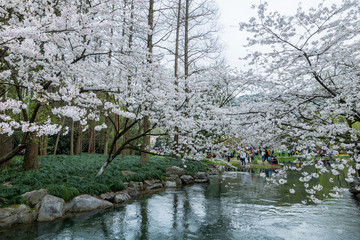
(68, 176)
(65, 192)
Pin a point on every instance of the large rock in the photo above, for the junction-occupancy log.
(355, 186)
(187, 179)
(84, 203)
(121, 197)
(25, 214)
(34, 197)
(201, 177)
(109, 196)
(174, 170)
(173, 181)
(133, 192)
(139, 186)
(51, 208)
(7, 217)
(152, 184)
(17, 215)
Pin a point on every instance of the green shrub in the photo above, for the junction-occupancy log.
(117, 186)
(12, 195)
(68, 176)
(65, 192)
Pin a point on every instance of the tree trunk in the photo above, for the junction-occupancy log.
(78, 148)
(6, 144)
(58, 136)
(186, 62)
(126, 136)
(31, 160)
(72, 138)
(146, 139)
(176, 67)
(106, 137)
(43, 145)
(91, 148)
(116, 130)
(186, 46)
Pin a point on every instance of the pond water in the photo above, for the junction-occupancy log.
(233, 206)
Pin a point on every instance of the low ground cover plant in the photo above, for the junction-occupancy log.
(69, 176)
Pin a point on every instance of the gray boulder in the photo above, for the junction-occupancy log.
(152, 184)
(21, 214)
(173, 181)
(84, 203)
(133, 192)
(34, 197)
(7, 217)
(139, 186)
(201, 177)
(187, 179)
(121, 197)
(108, 196)
(25, 214)
(51, 208)
(174, 170)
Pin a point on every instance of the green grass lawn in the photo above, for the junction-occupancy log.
(68, 176)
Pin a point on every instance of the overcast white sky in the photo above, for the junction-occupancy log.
(234, 11)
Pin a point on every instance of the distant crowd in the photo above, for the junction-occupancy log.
(247, 154)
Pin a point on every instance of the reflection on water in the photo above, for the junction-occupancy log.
(232, 206)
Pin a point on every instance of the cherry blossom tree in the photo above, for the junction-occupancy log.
(306, 72)
(47, 48)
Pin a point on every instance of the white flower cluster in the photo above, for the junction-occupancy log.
(13, 105)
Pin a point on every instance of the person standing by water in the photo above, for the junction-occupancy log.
(263, 155)
(242, 158)
(266, 154)
(252, 156)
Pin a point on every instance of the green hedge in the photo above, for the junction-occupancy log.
(68, 176)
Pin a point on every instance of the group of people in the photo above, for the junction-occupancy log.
(247, 154)
(269, 156)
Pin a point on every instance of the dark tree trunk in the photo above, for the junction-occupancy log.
(72, 138)
(126, 152)
(31, 160)
(116, 130)
(58, 136)
(176, 67)
(43, 145)
(78, 148)
(6, 145)
(106, 137)
(146, 139)
(91, 148)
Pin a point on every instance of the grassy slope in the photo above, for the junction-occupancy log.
(67, 177)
